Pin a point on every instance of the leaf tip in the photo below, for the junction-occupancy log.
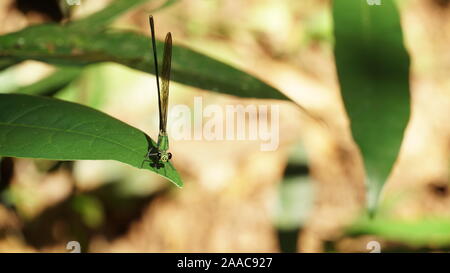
(177, 183)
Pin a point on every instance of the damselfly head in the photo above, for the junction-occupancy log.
(164, 156)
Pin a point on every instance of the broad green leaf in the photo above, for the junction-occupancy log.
(51, 84)
(373, 71)
(41, 127)
(63, 46)
(107, 15)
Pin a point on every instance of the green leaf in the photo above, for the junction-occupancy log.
(418, 233)
(106, 15)
(8, 62)
(373, 70)
(62, 46)
(295, 202)
(41, 127)
(51, 84)
(90, 209)
(166, 4)
(97, 21)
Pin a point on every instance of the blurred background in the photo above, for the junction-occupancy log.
(236, 198)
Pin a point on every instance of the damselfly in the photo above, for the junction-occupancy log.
(161, 154)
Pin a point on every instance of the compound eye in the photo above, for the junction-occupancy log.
(170, 156)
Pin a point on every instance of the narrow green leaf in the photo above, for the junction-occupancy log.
(51, 84)
(166, 4)
(62, 46)
(41, 127)
(373, 70)
(418, 233)
(107, 15)
(8, 62)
